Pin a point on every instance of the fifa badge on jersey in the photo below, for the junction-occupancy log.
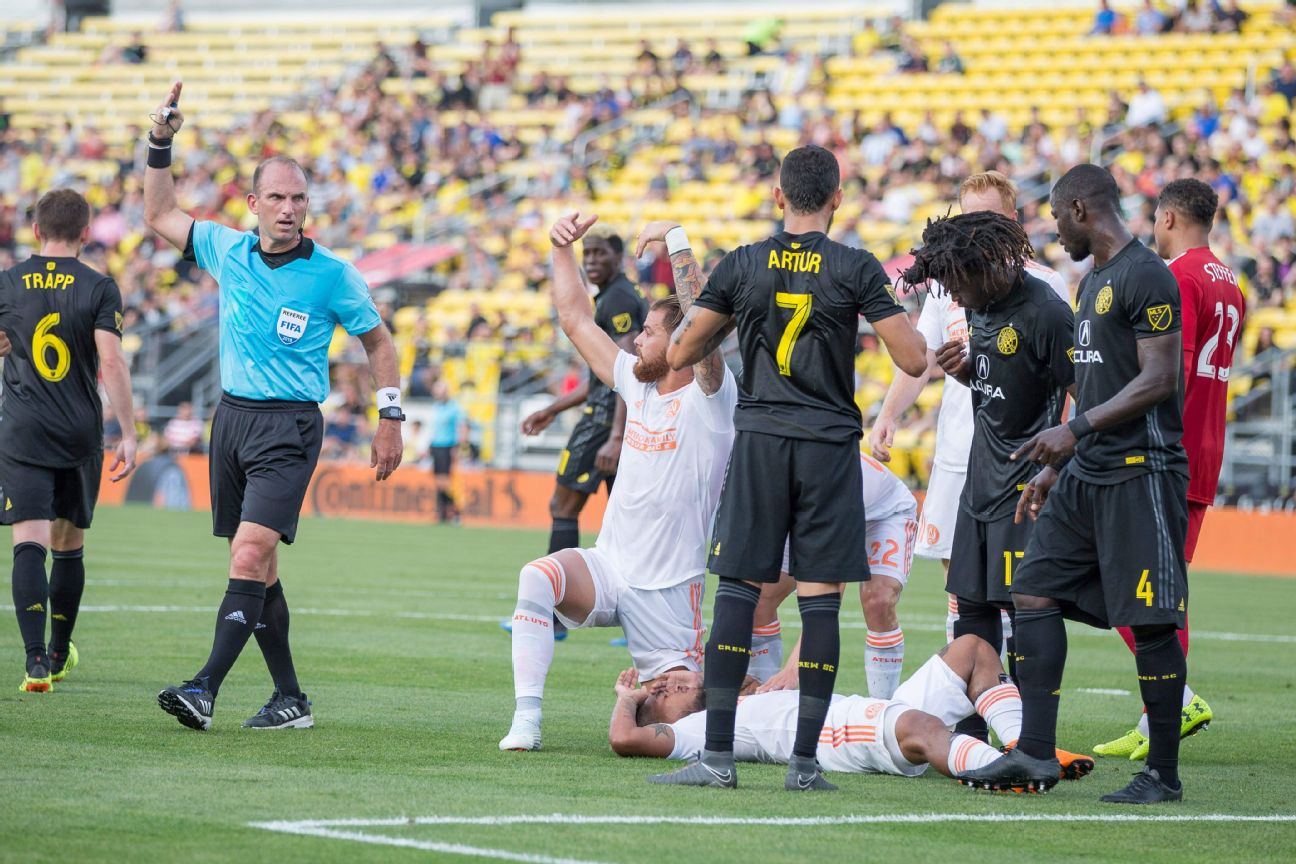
(291, 326)
(621, 322)
(1007, 342)
(1102, 304)
(1160, 316)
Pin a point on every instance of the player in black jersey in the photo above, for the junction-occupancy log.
(1018, 367)
(794, 472)
(1109, 546)
(594, 447)
(63, 322)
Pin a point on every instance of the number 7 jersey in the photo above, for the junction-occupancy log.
(50, 309)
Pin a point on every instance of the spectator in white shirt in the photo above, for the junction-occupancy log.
(1146, 108)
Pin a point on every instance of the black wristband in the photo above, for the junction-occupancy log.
(1080, 426)
(159, 157)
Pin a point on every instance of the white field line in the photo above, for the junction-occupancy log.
(915, 623)
(1103, 691)
(308, 830)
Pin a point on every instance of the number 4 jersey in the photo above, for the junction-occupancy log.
(50, 309)
(1213, 309)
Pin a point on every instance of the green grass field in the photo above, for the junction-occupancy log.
(396, 638)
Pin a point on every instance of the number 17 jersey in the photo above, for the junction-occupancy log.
(796, 299)
(50, 309)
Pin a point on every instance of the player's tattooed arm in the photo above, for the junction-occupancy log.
(710, 371)
(625, 736)
(699, 334)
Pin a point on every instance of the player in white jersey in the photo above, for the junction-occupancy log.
(901, 735)
(890, 529)
(647, 571)
(942, 320)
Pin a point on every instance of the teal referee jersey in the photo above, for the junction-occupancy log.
(278, 312)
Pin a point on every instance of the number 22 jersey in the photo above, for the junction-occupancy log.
(50, 309)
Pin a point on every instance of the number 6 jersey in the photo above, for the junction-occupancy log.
(50, 309)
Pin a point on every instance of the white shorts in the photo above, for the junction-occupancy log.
(663, 626)
(890, 543)
(939, 513)
(936, 690)
(859, 738)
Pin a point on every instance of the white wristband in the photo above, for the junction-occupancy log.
(389, 397)
(676, 241)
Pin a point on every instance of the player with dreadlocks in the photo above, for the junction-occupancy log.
(1018, 367)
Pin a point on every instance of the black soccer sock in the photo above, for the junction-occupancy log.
(728, 652)
(817, 668)
(983, 620)
(67, 584)
(1041, 657)
(238, 614)
(30, 597)
(1162, 671)
(272, 637)
(564, 535)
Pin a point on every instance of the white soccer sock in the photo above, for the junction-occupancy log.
(968, 754)
(1001, 707)
(1143, 721)
(883, 660)
(766, 651)
(541, 586)
(950, 617)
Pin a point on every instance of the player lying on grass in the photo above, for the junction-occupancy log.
(647, 571)
(890, 514)
(861, 735)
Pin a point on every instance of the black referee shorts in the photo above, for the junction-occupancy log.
(576, 469)
(442, 460)
(1112, 555)
(32, 493)
(808, 492)
(984, 557)
(262, 457)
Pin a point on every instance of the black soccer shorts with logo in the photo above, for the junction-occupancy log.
(1112, 555)
(30, 493)
(780, 489)
(263, 454)
(576, 469)
(984, 557)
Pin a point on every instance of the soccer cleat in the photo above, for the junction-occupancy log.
(1074, 765)
(713, 769)
(63, 664)
(559, 634)
(804, 776)
(191, 703)
(282, 712)
(1123, 746)
(1196, 717)
(524, 733)
(37, 679)
(1014, 772)
(1145, 788)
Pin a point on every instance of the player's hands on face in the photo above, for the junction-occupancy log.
(1035, 494)
(952, 358)
(881, 437)
(785, 679)
(627, 683)
(1048, 447)
(123, 460)
(608, 457)
(173, 118)
(538, 422)
(569, 229)
(653, 232)
(386, 450)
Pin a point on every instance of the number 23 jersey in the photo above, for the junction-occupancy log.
(50, 309)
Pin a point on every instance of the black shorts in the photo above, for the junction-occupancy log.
(1112, 555)
(442, 460)
(262, 457)
(576, 469)
(40, 493)
(785, 489)
(984, 556)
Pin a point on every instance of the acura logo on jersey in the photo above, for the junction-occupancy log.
(291, 326)
(983, 366)
(1084, 333)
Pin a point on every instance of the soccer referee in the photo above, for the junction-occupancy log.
(281, 296)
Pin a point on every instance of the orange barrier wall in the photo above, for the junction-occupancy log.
(1232, 540)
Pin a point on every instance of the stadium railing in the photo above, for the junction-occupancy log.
(1258, 441)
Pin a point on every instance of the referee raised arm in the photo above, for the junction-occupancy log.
(281, 296)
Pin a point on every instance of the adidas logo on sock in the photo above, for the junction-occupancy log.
(236, 615)
(259, 626)
(36, 607)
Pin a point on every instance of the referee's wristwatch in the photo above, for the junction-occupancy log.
(392, 413)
